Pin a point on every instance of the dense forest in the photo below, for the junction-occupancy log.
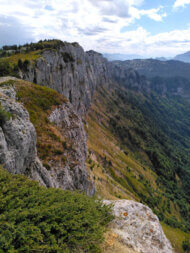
(160, 128)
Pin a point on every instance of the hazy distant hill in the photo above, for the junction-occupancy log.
(183, 57)
(161, 59)
(121, 57)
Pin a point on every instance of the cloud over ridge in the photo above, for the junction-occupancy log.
(117, 24)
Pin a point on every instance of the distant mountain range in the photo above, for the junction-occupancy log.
(152, 68)
(123, 57)
(162, 58)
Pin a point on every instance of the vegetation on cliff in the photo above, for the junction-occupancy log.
(4, 115)
(39, 102)
(13, 58)
(36, 219)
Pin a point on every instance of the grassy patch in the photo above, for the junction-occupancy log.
(40, 101)
(9, 66)
(176, 237)
(13, 59)
(117, 172)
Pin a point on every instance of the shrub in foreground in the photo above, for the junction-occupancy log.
(36, 219)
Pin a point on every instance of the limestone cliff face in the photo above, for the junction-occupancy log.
(18, 141)
(75, 73)
(74, 174)
(70, 71)
(18, 152)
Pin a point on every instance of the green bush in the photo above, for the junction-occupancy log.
(20, 64)
(36, 219)
(8, 70)
(4, 116)
(58, 152)
(26, 63)
(186, 246)
(5, 68)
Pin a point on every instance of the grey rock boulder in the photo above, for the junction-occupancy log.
(138, 228)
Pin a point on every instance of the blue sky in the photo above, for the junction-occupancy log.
(149, 28)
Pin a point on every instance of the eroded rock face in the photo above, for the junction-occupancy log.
(75, 73)
(138, 227)
(18, 141)
(72, 72)
(18, 152)
(74, 174)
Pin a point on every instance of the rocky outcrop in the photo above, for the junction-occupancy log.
(74, 174)
(18, 152)
(138, 227)
(18, 140)
(70, 71)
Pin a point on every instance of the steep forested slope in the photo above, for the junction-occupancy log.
(139, 148)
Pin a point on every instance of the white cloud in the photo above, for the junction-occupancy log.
(154, 14)
(179, 3)
(119, 8)
(71, 20)
(95, 27)
(141, 42)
